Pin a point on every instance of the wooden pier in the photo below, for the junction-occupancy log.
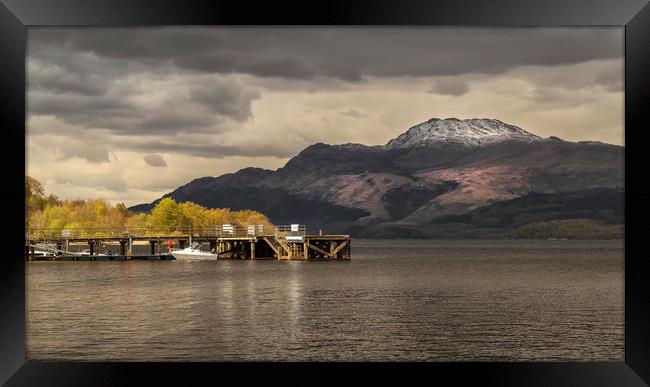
(227, 241)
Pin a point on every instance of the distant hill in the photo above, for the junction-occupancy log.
(442, 178)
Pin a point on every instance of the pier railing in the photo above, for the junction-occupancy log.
(292, 230)
(215, 230)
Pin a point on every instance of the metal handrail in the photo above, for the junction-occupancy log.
(293, 230)
(218, 230)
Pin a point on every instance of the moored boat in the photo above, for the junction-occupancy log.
(193, 253)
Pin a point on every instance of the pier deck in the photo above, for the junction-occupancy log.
(229, 242)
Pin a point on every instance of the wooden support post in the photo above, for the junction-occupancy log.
(339, 248)
(123, 247)
(243, 250)
(318, 249)
(253, 250)
(91, 245)
(153, 247)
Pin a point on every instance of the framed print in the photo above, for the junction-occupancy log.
(431, 188)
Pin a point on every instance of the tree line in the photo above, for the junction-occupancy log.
(50, 212)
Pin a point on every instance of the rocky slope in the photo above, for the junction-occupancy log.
(419, 183)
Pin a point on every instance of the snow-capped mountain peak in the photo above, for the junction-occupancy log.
(471, 132)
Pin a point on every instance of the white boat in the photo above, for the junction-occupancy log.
(193, 253)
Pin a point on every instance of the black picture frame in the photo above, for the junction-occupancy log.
(17, 15)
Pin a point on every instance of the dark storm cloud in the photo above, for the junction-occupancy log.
(62, 81)
(73, 105)
(204, 107)
(344, 53)
(158, 82)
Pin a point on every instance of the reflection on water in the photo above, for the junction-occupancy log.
(395, 300)
(294, 295)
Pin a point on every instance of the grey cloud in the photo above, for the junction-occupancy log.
(607, 74)
(92, 154)
(450, 86)
(96, 78)
(207, 109)
(226, 98)
(154, 160)
(62, 69)
(282, 68)
(344, 53)
(61, 81)
(70, 105)
(171, 121)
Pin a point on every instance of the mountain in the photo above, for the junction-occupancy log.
(440, 178)
(472, 132)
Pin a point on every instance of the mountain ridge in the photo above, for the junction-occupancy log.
(434, 170)
(468, 132)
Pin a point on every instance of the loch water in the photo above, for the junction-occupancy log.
(403, 300)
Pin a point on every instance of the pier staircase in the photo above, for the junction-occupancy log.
(284, 252)
(275, 245)
(284, 248)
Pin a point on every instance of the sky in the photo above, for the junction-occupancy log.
(129, 114)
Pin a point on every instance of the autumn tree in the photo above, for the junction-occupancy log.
(48, 212)
(164, 216)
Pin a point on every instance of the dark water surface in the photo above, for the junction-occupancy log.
(395, 300)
